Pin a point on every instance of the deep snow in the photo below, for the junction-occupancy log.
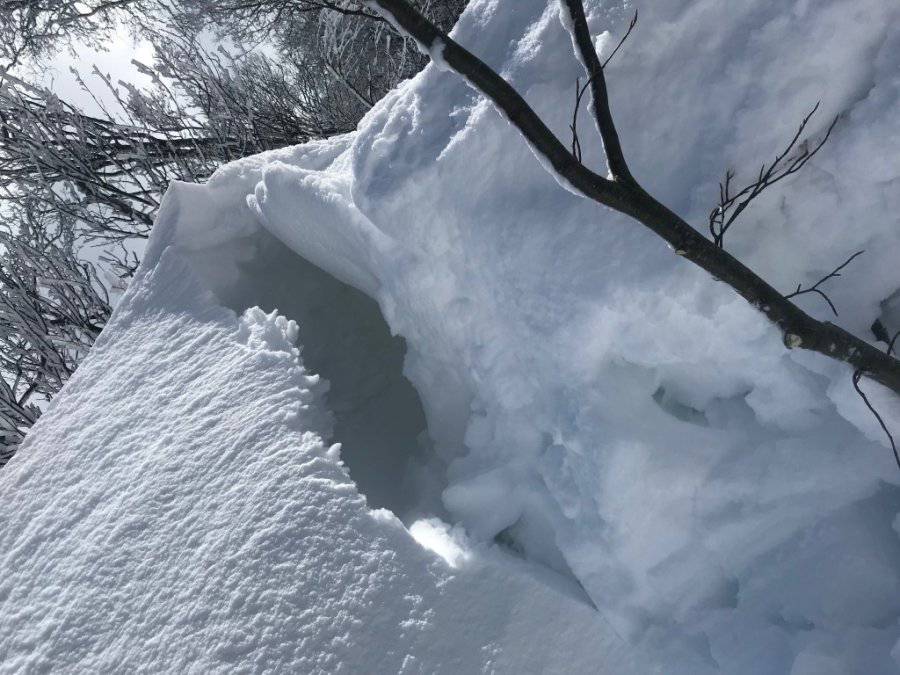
(180, 513)
(632, 429)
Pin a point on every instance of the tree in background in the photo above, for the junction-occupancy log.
(52, 307)
(34, 28)
(78, 187)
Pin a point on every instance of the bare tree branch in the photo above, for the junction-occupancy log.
(573, 10)
(722, 217)
(580, 90)
(627, 196)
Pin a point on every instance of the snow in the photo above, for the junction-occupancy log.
(609, 460)
(178, 510)
(436, 55)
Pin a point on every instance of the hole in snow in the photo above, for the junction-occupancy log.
(679, 410)
(379, 418)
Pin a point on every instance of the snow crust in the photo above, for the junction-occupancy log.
(594, 404)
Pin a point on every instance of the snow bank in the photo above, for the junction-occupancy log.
(593, 402)
(178, 511)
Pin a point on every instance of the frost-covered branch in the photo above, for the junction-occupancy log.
(52, 307)
(624, 194)
(34, 27)
(104, 174)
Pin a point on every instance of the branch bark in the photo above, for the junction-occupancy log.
(624, 194)
(581, 37)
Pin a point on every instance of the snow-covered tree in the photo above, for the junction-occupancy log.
(52, 307)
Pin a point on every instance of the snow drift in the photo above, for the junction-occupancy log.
(633, 430)
(179, 512)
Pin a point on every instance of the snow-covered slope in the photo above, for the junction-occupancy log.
(594, 404)
(179, 512)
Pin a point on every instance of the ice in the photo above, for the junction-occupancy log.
(601, 428)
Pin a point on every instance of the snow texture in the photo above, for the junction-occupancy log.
(178, 511)
(594, 404)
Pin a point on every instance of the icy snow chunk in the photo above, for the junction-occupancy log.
(259, 329)
(439, 537)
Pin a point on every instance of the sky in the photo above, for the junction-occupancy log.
(115, 60)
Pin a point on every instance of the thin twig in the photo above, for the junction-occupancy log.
(581, 89)
(606, 126)
(890, 347)
(857, 375)
(731, 205)
(631, 26)
(836, 272)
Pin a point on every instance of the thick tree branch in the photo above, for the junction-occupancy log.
(580, 90)
(577, 23)
(798, 328)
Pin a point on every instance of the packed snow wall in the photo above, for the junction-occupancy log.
(593, 402)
